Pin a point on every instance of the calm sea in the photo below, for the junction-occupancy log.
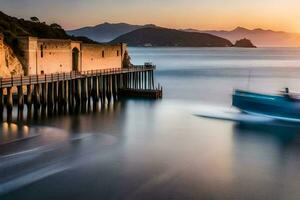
(190, 145)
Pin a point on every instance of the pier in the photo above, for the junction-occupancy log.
(62, 93)
(141, 93)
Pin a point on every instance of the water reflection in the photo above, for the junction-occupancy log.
(12, 132)
(25, 115)
(267, 156)
(284, 134)
(161, 150)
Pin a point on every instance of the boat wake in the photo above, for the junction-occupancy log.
(232, 114)
(31, 177)
(42, 160)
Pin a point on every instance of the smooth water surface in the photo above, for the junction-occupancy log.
(190, 145)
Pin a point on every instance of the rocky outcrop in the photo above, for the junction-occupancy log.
(244, 43)
(9, 64)
(127, 60)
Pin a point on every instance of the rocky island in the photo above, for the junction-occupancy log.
(244, 43)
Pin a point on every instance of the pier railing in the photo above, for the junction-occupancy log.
(48, 78)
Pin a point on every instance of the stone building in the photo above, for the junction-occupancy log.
(46, 56)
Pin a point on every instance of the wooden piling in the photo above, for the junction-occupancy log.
(78, 93)
(29, 101)
(89, 87)
(9, 104)
(50, 99)
(66, 97)
(95, 93)
(100, 90)
(109, 88)
(44, 99)
(84, 94)
(20, 102)
(114, 87)
(36, 100)
(55, 107)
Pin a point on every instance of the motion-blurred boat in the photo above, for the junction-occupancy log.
(284, 106)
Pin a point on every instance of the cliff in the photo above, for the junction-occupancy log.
(13, 27)
(10, 64)
(163, 37)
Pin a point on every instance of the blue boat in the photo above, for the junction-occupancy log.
(283, 106)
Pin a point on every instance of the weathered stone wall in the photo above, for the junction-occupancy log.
(95, 57)
(54, 56)
(45, 56)
(29, 60)
(9, 63)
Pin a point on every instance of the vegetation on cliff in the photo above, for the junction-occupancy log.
(164, 37)
(245, 43)
(13, 27)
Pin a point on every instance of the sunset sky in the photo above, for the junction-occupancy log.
(200, 14)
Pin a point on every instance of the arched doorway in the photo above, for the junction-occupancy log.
(75, 59)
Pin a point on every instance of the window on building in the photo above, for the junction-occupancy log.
(117, 53)
(103, 54)
(42, 51)
(42, 72)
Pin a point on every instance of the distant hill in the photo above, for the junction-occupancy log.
(13, 27)
(164, 37)
(106, 32)
(260, 37)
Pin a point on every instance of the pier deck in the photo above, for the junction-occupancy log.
(142, 93)
(48, 78)
(71, 92)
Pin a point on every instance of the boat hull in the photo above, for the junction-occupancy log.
(270, 105)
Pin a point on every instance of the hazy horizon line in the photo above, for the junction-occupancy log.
(179, 28)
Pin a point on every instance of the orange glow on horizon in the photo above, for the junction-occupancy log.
(280, 15)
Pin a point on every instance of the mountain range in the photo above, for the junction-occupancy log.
(262, 38)
(106, 32)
